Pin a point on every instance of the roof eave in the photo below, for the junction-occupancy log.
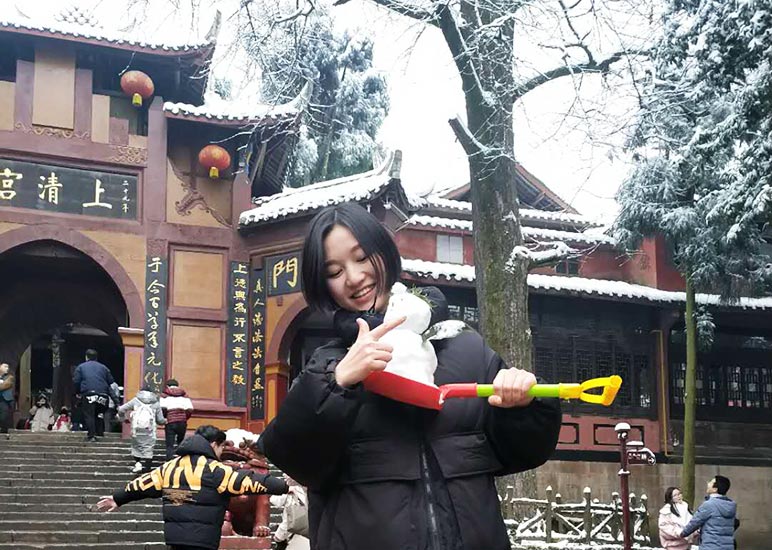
(196, 50)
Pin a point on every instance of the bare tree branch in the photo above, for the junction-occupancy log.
(465, 137)
(569, 69)
(403, 8)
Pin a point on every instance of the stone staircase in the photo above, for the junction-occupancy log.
(49, 484)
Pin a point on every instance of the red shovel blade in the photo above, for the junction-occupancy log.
(404, 389)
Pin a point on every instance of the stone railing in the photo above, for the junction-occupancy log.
(588, 521)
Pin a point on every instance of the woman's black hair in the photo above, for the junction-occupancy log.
(669, 500)
(375, 240)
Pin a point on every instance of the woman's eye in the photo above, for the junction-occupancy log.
(332, 275)
(362, 259)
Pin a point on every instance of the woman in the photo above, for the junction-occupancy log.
(382, 474)
(673, 517)
(145, 414)
(41, 415)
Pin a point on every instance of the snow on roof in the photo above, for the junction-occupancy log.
(75, 30)
(595, 287)
(525, 213)
(536, 233)
(216, 108)
(358, 187)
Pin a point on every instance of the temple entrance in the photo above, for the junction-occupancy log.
(55, 303)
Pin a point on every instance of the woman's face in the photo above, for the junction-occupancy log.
(677, 497)
(351, 278)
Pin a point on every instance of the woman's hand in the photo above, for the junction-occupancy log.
(366, 355)
(510, 388)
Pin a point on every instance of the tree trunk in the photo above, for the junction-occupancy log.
(690, 397)
(501, 285)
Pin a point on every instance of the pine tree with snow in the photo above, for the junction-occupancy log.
(350, 98)
(703, 147)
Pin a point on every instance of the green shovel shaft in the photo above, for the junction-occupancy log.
(537, 390)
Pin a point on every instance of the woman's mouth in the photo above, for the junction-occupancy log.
(363, 293)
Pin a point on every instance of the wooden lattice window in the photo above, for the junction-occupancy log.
(560, 357)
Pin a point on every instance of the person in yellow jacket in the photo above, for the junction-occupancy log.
(195, 487)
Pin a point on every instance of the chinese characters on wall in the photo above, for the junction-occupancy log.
(68, 190)
(257, 355)
(155, 322)
(283, 274)
(237, 352)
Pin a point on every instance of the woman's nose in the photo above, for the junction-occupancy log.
(354, 275)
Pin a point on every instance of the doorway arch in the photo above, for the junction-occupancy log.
(55, 302)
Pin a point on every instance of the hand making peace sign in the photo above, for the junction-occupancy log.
(366, 355)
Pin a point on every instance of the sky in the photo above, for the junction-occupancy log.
(579, 159)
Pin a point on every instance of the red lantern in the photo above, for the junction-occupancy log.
(138, 85)
(215, 158)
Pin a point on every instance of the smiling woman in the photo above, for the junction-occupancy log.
(384, 474)
(349, 261)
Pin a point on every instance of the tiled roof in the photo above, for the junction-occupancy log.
(536, 233)
(225, 111)
(581, 285)
(299, 200)
(526, 214)
(73, 30)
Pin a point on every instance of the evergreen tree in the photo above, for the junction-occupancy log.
(349, 101)
(703, 147)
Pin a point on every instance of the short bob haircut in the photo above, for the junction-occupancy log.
(212, 434)
(375, 240)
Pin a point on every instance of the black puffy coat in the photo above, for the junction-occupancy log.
(196, 488)
(383, 475)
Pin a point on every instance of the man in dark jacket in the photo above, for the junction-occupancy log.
(195, 487)
(715, 517)
(7, 384)
(92, 382)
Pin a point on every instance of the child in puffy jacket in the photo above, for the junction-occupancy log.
(63, 421)
(177, 408)
(41, 415)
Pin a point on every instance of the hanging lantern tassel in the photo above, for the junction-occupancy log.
(138, 85)
(215, 158)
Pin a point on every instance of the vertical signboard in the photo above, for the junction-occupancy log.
(283, 274)
(154, 370)
(238, 347)
(257, 340)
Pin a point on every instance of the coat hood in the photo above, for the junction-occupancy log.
(725, 506)
(175, 391)
(196, 445)
(147, 397)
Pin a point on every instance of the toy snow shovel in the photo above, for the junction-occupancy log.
(428, 396)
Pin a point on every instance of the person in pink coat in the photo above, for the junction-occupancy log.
(673, 517)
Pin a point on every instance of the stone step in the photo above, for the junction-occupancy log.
(95, 524)
(71, 499)
(80, 469)
(128, 514)
(7, 478)
(67, 460)
(60, 484)
(71, 446)
(81, 536)
(26, 434)
(84, 546)
(52, 490)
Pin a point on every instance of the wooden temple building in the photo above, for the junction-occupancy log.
(115, 234)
